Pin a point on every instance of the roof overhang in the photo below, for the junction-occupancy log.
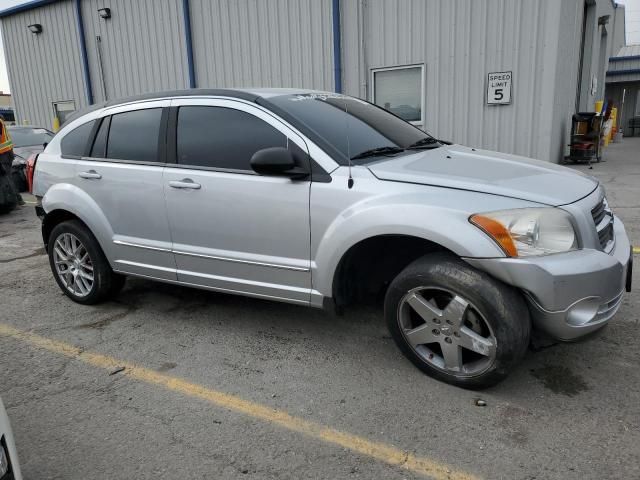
(23, 7)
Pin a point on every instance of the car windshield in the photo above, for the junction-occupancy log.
(28, 137)
(350, 128)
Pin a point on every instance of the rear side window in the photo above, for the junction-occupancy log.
(221, 137)
(74, 143)
(135, 135)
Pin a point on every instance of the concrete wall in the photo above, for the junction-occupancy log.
(43, 68)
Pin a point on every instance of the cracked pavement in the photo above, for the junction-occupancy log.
(570, 411)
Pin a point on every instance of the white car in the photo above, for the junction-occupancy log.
(9, 468)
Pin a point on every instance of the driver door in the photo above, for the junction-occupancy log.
(232, 229)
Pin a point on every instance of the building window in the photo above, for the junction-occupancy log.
(400, 90)
(63, 109)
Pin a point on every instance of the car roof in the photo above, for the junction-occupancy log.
(248, 94)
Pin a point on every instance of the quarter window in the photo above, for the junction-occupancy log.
(221, 137)
(135, 135)
(400, 90)
(74, 143)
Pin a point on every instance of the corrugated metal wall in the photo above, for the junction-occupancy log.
(289, 43)
(460, 42)
(565, 95)
(252, 43)
(142, 46)
(43, 68)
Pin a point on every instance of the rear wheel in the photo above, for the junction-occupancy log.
(455, 323)
(79, 265)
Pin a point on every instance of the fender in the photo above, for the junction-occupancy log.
(430, 213)
(64, 196)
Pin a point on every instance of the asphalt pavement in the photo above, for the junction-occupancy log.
(169, 382)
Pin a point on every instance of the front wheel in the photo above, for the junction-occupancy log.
(455, 323)
(79, 265)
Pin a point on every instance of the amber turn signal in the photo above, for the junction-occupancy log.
(498, 232)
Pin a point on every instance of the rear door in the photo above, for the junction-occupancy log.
(232, 229)
(122, 173)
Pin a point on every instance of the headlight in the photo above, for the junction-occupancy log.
(529, 231)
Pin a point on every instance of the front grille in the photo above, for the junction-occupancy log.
(603, 221)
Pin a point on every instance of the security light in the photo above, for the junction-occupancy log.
(35, 28)
(104, 12)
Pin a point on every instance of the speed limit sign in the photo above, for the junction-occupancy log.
(499, 88)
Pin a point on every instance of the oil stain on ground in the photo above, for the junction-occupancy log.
(560, 379)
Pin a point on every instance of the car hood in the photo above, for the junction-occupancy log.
(24, 152)
(455, 166)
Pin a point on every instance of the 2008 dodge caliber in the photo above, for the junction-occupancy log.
(323, 200)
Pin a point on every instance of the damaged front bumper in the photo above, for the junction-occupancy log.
(570, 294)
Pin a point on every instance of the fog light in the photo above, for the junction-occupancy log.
(4, 462)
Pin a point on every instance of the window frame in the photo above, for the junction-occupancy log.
(95, 121)
(162, 134)
(270, 119)
(422, 67)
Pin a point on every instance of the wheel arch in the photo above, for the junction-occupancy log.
(67, 202)
(368, 266)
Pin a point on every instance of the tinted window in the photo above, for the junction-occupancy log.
(75, 142)
(222, 137)
(100, 143)
(346, 126)
(134, 135)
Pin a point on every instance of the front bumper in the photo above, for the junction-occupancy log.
(569, 294)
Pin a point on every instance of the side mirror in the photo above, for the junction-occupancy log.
(277, 161)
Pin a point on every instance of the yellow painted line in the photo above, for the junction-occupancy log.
(379, 451)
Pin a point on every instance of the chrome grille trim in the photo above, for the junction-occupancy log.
(603, 221)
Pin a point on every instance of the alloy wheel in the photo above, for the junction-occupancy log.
(73, 264)
(447, 331)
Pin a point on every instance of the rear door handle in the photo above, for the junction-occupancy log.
(90, 175)
(185, 183)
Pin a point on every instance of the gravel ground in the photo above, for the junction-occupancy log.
(570, 411)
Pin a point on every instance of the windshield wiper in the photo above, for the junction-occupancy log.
(426, 142)
(378, 151)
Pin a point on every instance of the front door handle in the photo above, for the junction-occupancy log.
(90, 175)
(185, 183)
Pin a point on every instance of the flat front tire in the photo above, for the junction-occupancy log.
(79, 266)
(455, 323)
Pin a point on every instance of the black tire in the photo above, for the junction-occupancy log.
(502, 306)
(106, 283)
(20, 180)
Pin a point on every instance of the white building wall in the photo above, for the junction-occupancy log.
(43, 68)
(142, 47)
(460, 42)
(275, 43)
(289, 43)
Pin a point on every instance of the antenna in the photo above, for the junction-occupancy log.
(350, 181)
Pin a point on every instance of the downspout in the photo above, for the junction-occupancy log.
(186, 13)
(337, 49)
(83, 54)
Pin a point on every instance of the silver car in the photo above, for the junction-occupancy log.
(9, 468)
(326, 200)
